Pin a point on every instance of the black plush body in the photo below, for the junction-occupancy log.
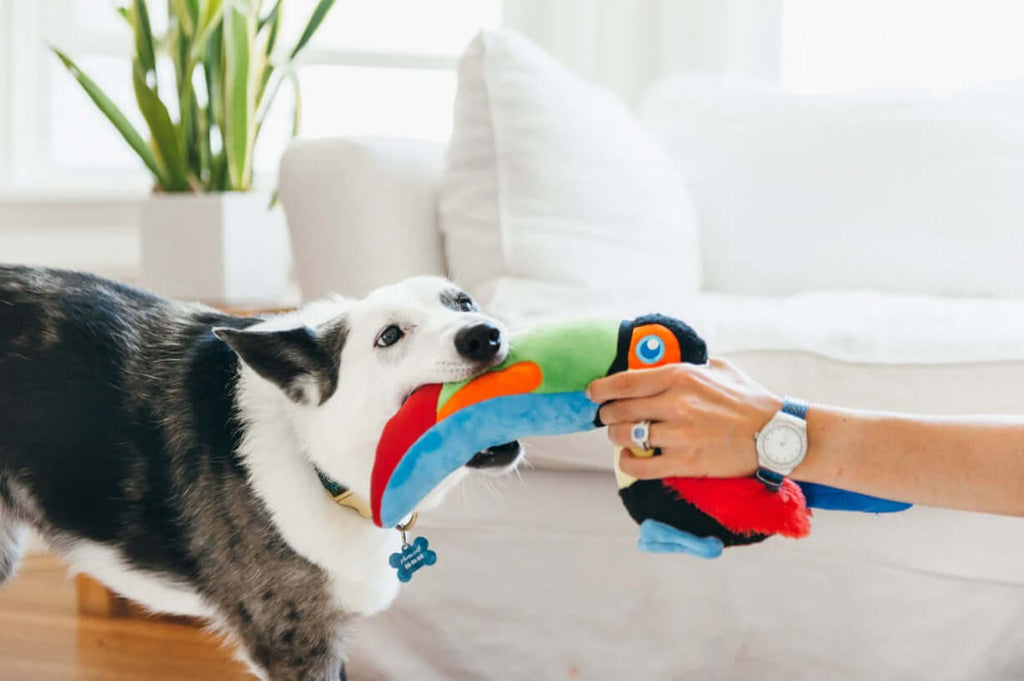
(654, 500)
(657, 499)
(119, 430)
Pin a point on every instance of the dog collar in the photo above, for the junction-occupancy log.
(411, 557)
(343, 496)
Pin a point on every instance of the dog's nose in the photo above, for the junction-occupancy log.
(478, 343)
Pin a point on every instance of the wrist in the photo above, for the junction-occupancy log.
(774, 406)
(782, 442)
(765, 407)
(814, 466)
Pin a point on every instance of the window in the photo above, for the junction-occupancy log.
(384, 67)
(70, 188)
(836, 45)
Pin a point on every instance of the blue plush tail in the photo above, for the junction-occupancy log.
(833, 499)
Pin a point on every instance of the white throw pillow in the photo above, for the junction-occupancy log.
(551, 179)
(898, 191)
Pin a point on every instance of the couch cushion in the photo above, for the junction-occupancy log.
(849, 326)
(894, 352)
(361, 212)
(893, 191)
(551, 179)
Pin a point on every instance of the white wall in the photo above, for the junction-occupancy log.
(626, 45)
(100, 235)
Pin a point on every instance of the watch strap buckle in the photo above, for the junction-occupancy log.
(769, 478)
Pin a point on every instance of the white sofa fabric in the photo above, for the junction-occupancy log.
(545, 582)
(543, 579)
(551, 179)
(897, 191)
(355, 201)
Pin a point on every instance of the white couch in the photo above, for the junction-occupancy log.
(542, 580)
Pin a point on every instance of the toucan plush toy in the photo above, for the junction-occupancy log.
(539, 390)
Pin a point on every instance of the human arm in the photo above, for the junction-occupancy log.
(705, 418)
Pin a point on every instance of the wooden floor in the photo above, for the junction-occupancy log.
(43, 639)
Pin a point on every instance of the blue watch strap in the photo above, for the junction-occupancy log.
(769, 478)
(794, 407)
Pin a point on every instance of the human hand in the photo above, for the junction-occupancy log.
(703, 418)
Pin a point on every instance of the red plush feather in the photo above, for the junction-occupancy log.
(746, 506)
(417, 415)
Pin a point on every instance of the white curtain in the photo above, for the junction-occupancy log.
(626, 45)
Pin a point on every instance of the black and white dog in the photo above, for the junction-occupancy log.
(171, 451)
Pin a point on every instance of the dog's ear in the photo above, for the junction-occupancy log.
(302, 362)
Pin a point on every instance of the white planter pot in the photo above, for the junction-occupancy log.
(223, 249)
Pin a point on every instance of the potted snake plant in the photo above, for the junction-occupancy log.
(206, 234)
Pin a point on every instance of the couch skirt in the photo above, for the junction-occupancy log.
(540, 579)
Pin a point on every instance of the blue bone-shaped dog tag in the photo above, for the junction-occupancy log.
(411, 558)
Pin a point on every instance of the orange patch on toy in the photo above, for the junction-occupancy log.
(644, 352)
(522, 377)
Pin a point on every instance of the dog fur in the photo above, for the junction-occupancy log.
(168, 449)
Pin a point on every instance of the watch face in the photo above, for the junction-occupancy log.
(783, 445)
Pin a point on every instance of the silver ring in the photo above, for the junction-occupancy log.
(640, 434)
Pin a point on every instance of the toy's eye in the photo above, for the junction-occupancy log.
(650, 349)
(389, 336)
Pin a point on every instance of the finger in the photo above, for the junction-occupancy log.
(720, 363)
(658, 408)
(651, 468)
(637, 383)
(659, 435)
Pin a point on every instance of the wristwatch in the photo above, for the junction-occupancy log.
(782, 443)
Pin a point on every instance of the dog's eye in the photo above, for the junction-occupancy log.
(389, 336)
(465, 304)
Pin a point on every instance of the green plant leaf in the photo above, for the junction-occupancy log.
(116, 117)
(210, 21)
(187, 14)
(266, 102)
(144, 51)
(272, 23)
(213, 70)
(213, 63)
(211, 12)
(297, 108)
(203, 151)
(188, 130)
(266, 73)
(177, 47)
(164, 134)
(238, 96)
(317, 18)
(193, 9)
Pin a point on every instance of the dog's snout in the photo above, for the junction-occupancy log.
(478, 343)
